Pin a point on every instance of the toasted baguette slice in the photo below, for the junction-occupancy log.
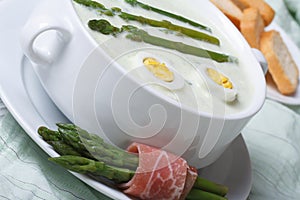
(233, 12)
(282, 67)
(252, 26)
(242, 4)
(264, 8)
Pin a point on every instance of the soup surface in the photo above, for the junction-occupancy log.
(191, 85)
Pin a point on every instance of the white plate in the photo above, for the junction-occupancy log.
(25, 98)
(272, 91)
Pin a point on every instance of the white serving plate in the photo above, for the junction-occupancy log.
(272, 91)
(25, 98)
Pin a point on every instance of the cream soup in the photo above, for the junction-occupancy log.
(194, 87)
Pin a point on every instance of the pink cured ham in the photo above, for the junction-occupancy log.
(160, 175)
(191, 177)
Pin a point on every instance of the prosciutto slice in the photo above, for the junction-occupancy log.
(160, 175)
(191, 177)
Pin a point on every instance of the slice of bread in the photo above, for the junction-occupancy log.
(242, 4)
(233, 12)
(252, 26)
(264, 8)
(282, 67)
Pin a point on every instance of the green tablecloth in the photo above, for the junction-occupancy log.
(272, 137)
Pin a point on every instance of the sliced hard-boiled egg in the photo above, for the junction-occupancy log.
(219, 78)
(159, 70)
(220, 85)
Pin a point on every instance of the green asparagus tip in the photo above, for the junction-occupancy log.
(42, 129)
(103, 26)
(92, 4)
(48, 135)
(66, 126)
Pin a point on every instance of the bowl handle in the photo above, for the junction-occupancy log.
(44, 37)
(261, 59)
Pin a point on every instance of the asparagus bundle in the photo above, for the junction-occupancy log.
(87, 153)
(87, 145)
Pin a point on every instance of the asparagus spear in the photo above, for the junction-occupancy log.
(135, 34)
(75, 131)
(119, 175)
(211, 187)
(195, 194)
(168, 25)
(49, 135)
(155, 23)
(56, 141)
(168, 14)
(87, 166)
(63, 149)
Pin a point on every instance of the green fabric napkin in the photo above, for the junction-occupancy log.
(294, 8)
(25, 172)
(272, 137)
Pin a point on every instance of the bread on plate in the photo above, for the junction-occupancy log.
(264, 8)
(252, 26)
(282, 67)
(232, 11)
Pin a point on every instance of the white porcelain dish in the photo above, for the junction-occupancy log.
(103, 100)
(233, 168)
(26, 99)
(272, 91)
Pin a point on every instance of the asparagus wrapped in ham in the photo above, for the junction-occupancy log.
(141, 171)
